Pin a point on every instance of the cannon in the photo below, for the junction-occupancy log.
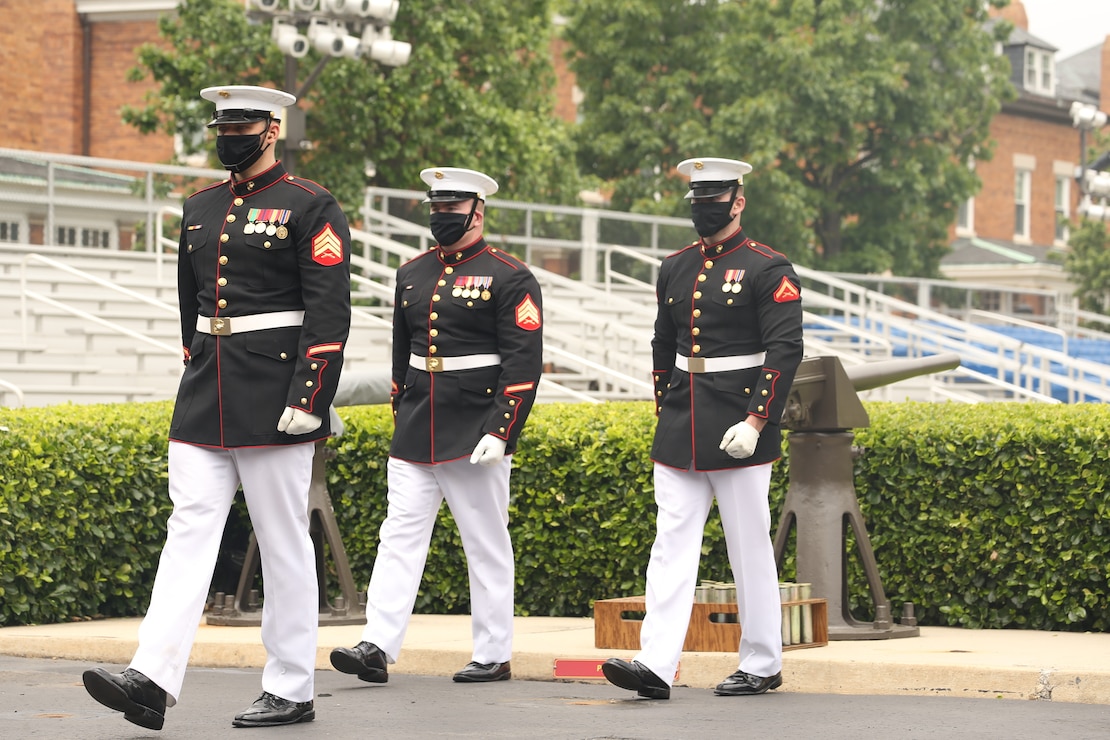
(821, 409)
(243, 609)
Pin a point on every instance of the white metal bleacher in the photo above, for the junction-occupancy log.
(100, 325)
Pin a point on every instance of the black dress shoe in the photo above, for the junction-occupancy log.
(141, 700)
(365, 660)
(482, 672)
(269, 710)
(635, 676)
(745, 684)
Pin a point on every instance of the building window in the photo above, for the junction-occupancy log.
(965, 218)
(1063, 197)
(1022, 181)
(9, 230)
(84, 236)
(1039, 72)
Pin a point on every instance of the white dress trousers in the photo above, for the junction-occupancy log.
(478, 497)
(202, 483)
(684, 499)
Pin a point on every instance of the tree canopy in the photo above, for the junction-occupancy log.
(860, 117)
(1088, 263)
(475, 93)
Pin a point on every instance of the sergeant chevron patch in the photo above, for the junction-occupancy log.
(327, 247)
(528, 314)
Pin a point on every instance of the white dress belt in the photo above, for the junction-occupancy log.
(718, 364)
(447, 364)
(223, 326)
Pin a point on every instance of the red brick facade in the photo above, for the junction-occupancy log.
(1037, 135)
(53, 63)
(1024, 138)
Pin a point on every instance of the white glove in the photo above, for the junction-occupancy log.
(740, 440)
(490, 451)
(295, 421)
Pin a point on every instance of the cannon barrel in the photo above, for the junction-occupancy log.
(823, 395)
(876, 374)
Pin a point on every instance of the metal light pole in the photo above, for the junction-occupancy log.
(334, 28)
(1092, 184)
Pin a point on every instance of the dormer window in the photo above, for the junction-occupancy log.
(1040, 71)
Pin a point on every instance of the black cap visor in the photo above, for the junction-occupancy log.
(239, 115)
(710, 188)
(449, 196)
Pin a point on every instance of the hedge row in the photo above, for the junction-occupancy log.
(984, 516)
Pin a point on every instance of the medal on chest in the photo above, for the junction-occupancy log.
(268, 221)
(732, 281)
(473, 286)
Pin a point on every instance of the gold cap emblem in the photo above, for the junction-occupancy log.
(439, 175)
(699, 166)
(224, 94)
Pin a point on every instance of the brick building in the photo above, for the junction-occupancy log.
(1010, 229)
(65, 68)
(65, 76)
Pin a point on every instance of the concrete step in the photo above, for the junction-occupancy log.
(46, 394)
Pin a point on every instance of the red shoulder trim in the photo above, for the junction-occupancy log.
(684, 249)
(209, 187)
(508, 259)
(764, 250)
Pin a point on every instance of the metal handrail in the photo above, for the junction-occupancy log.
(103, 322)
(560, 388)
(16, 390)
(25, 293)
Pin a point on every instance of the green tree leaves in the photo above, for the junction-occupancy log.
(475, 93)
(859, 117)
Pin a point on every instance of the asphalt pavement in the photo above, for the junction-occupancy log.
(43, 698)
(947, 682)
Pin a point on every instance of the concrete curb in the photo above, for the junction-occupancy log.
(943, 661)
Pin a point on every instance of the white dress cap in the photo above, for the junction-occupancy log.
(713, 176)
(449, 184)
(246, 103)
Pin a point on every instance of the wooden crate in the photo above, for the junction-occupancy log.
(612, 630)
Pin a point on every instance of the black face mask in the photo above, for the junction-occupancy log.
(710, 218)
(448, 228)
(238, 153)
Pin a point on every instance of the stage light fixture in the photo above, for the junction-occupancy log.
(289, 39)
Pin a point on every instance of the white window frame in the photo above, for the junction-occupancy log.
(1040, 71)
(965, 218)
(19, 221)
(1062, 207)
(1023, 188)
(965, 215)
(78, 230)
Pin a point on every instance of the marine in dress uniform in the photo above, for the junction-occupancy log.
(727, 342)
(264, 293)
(467, 355)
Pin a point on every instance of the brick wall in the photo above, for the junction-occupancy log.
(1048, 143)
(114, 47)
(42, 55)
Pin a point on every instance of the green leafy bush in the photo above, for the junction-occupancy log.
(83, 506)
(984, 516)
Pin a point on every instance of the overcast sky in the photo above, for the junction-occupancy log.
(1070, 25)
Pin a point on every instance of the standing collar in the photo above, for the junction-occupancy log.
(259, 182)
(464, 254)
(727, 244)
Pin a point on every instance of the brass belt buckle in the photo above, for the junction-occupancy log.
(695, 365)
(433, 365)
(219, 326)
